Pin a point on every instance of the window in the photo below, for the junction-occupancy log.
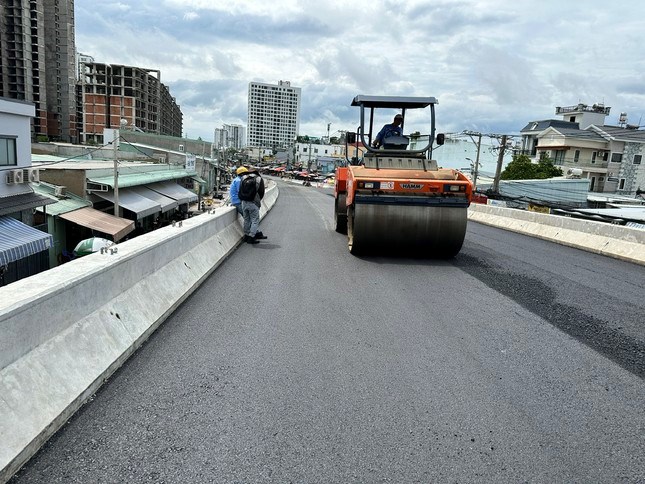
(8, 152)
(576, 156)
(621, 185)
(559, 157)
(616, 157)
(594, 154)
(637, 159)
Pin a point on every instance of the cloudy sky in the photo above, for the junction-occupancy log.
(494, 65)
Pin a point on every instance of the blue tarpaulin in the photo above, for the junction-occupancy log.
(18, 240)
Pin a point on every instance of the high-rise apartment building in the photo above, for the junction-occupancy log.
(273, 114)
(110, 94)
(230, 136)
(37, 55)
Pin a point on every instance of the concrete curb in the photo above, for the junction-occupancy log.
(65, 331)
(616, 241)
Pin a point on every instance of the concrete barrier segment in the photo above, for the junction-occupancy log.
(67, 330)
(615, 241)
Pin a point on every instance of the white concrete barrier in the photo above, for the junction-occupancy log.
(615, 241)
(64, 331)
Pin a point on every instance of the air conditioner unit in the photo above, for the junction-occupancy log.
(59, 191)
(574, 173)
(14, 177)
(32, 175)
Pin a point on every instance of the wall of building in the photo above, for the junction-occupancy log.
(632, 176)
(15, 117)
(74, 180)
(307, 153)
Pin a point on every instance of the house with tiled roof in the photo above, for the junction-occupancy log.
(610, 157)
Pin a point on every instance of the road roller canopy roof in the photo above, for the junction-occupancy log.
(366, 131)
(400, 102)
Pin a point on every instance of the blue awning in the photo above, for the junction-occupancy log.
(18, 240)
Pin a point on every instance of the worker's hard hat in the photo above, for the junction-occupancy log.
(241, 169)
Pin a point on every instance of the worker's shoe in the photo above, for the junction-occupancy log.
(260, 236)
(250, 240)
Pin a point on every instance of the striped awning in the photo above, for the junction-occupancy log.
(18, 240)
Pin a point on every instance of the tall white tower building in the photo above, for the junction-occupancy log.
(274, 114)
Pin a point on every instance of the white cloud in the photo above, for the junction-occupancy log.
(493, 64)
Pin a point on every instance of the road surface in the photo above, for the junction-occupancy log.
(519, 360)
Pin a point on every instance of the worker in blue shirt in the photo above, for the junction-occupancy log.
(393, 129)
(235, 188)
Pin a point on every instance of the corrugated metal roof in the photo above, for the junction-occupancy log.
(24, 201)
(140, 205)
(551, 190)
(634, 214)
(68, 203)
(134, 179)
(174, 191)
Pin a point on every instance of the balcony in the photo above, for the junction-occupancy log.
(595, 108)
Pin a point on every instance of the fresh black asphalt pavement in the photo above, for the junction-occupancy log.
(518, 361)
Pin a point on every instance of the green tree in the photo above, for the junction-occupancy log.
(547, 168)
(521, 168)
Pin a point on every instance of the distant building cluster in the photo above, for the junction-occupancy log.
(74, 97)
(230, 136)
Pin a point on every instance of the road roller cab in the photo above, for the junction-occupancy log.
(395, 198)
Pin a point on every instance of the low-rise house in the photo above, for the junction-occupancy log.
(23, 247)
(149, 195)
(610, 157)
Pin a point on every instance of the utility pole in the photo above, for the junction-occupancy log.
(500, 161)
(478, 143)
(115, 145)
(309, 160)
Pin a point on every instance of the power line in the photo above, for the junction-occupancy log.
(78, 156)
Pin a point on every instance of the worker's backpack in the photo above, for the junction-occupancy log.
(248, 188)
